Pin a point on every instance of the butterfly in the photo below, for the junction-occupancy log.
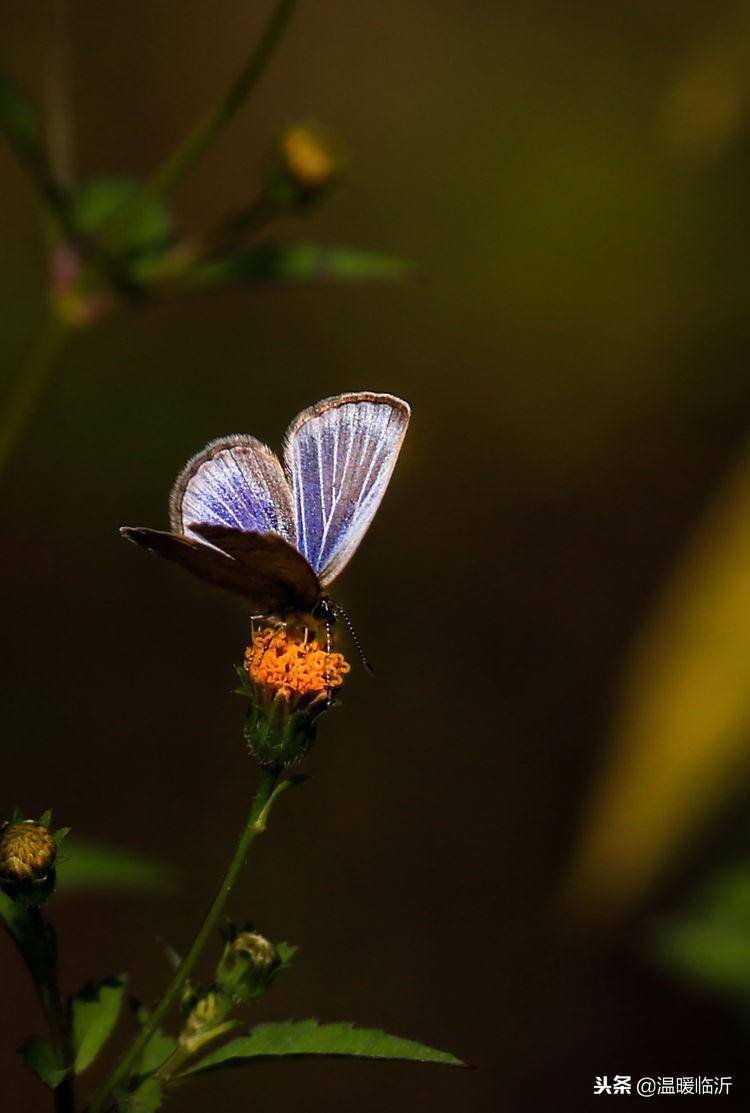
(279, 534)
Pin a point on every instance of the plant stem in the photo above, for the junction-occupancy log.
(59, 1029)
(254, 825)
(44, 973)
(24, 396)
(59, 101)
(237, 228)
(206, 130)
(19, 124)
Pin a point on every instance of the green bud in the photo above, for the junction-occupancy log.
(247, 966)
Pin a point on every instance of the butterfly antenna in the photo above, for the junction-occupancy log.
(341, 613)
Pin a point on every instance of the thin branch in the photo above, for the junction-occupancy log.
(58, 95)
(268, 790)
(188, 153)
(19, 124)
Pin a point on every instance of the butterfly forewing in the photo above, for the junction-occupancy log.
(339, 456)
(236, 482)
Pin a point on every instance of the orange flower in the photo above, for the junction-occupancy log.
(293, 669)
(290, 680)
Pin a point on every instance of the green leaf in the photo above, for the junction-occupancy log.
(307, 1037)
(45, 819)
(91, 865)
(40, 1056)
(127, 217)
(710, 942)
(25, 928)
(95, 1012)
(277, 262)
(286, 953)
(155, 1053)
(147, 1098)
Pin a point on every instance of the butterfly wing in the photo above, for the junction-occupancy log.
(270, 561)
(235, 482)
(262, 568)
(339, 456)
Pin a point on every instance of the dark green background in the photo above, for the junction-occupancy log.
(575, 352)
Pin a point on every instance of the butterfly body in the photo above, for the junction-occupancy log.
(278, 534)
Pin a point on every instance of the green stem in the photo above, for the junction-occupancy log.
(44, 973)
(19, 124)
(232, 232)
(188, 153)
(254, 825)
(59, 101)
(25, 395)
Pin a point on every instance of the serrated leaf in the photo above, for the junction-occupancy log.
(91, 865)
(155, 1053)
(41, 1057)
(300, 262)
(147, 1098)
(95, 1012)
(308, 1038)
(60, 834)
(286, 953)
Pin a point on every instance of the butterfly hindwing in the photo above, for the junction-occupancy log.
(267, 576)
(278, 569)
(339, 456)
(236, 482)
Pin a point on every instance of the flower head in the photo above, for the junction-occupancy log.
(286, 667)
(290, 680)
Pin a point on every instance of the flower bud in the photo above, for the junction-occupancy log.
(28, 851)
(308, 161)
(247, 966)
(209, 1010)
(290, 680)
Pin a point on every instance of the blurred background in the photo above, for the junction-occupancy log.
(552, 762)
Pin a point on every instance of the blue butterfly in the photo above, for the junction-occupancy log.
(276, 534)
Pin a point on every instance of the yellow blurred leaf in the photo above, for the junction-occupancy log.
(681, 733)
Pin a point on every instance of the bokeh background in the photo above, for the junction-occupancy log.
(572, 182)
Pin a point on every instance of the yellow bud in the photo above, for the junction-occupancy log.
(208, 1011)
(311, 156)
(27, 852)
